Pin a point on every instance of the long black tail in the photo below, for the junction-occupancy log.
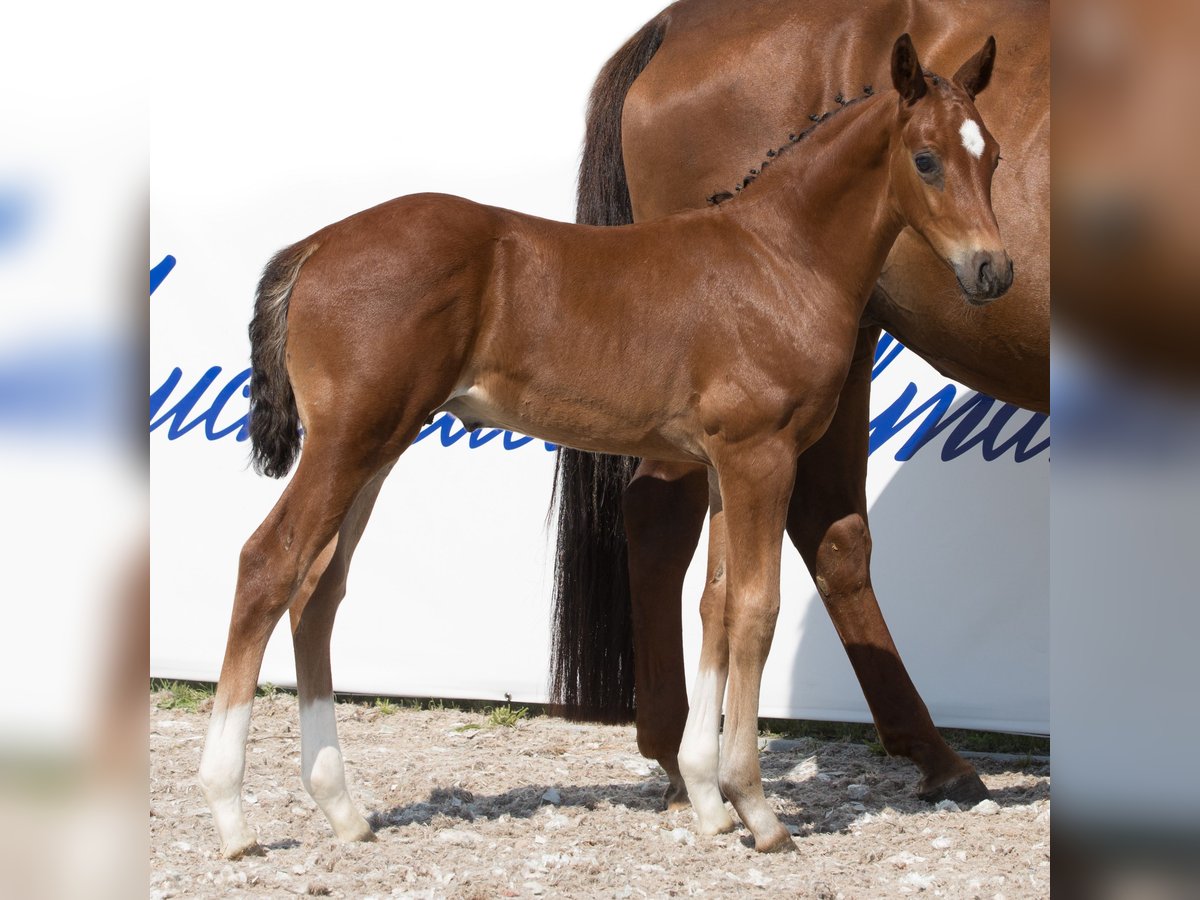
(591, 675)
(274, 421)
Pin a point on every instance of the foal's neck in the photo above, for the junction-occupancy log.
(827, 203)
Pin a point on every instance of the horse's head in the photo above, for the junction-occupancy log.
(942, 162)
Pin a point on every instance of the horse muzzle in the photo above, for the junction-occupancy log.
(984, 276)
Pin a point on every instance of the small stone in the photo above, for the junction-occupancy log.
(857, 791)
(458, 838)
(986, 808)
(182, 845)
(948, 806)
(680, 836)
(941, 843)
(553, 797)
(757, 878)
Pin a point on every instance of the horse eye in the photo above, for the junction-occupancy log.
(926, 163)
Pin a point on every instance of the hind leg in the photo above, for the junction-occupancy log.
(827, 522)
(274, 564)
(664, 510)
(322, 769)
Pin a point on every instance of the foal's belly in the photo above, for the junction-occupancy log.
(581, 426)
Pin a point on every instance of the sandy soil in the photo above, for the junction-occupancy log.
(560, 810)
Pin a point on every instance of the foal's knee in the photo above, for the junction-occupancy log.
(842, 566)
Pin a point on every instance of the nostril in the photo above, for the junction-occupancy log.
(985, 271)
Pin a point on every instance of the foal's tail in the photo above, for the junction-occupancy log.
(274, 420)
(591, 675)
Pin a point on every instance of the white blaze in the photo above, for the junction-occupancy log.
(972, 138)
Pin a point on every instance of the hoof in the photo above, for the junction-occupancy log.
(779, 842)
(965, 788)
(361, 833)
(720, 826)
(247, 845)
(676, 798)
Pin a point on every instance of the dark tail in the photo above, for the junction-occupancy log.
(274, 421)
(591, 677)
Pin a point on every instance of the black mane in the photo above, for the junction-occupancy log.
(792, 139)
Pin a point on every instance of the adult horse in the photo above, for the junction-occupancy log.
(505, 306)
(679, 117)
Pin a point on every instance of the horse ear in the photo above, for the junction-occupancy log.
(976, 72)
(907, 76)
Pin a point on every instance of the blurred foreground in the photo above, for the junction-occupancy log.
(1126, 480)
(73, 646)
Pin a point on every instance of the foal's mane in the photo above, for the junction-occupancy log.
(793, 138)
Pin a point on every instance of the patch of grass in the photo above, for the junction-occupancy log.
(506, 716)
(185, 695)
(469, 726)
(854, 733)
(385, 706)
(266, 689)
(994, 742)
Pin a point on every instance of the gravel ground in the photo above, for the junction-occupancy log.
(464, 809)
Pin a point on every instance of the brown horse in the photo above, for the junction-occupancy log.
(684, 111)
(719, 337)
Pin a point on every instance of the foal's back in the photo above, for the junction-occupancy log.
(521, 322)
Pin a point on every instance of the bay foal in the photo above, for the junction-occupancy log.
(720, 336)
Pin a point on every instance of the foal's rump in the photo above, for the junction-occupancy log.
(384, 311)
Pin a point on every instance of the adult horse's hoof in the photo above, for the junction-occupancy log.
(778, 842)
(965, 788)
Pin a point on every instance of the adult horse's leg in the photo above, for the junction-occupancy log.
(664, 509)
(699, 750)
(274, 564)
(322, 769)
(755, 484)
(827, 522)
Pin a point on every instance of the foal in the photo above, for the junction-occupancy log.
(720, 336)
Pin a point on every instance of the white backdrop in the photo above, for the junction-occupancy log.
(272, 120)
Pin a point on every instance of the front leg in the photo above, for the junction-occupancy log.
(699, 750)
(756, 484)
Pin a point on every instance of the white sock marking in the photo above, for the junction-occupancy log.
(323, 771)
(972, 138)
(222, 767)
(699, 752)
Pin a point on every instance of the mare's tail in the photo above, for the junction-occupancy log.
(591, 676)
(274, 420)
